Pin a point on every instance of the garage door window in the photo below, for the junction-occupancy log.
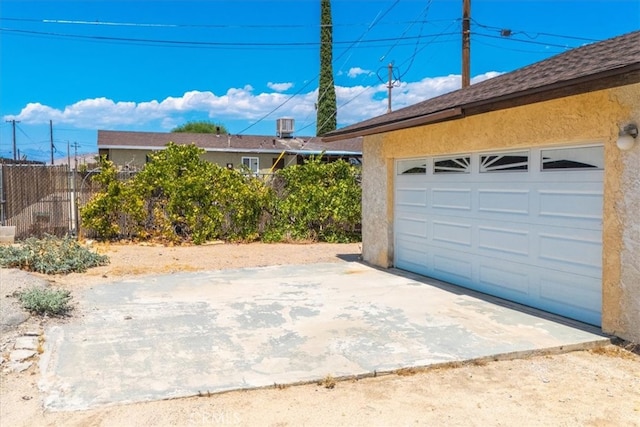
(504, 162)
(575, 158)
(456, 164)
(412, 166)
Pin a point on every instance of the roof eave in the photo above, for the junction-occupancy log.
(464, 109)
(600, 78)
(438, 116)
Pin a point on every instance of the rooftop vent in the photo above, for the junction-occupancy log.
(284, 127)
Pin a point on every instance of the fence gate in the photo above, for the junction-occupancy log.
(38, 200)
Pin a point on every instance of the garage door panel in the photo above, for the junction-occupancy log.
(411, 197)
(412, 255)
(451, 198)
(504, 241)
(532, 235)
(452, 233)
(585, 303)
(412, 226)
(584, 205)
(564, 249)
(452, 266)
(503, 201)
(504, 279)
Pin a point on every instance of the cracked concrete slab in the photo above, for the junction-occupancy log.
(183, 334)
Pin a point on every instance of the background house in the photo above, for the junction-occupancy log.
(516, 186)
(261, 154)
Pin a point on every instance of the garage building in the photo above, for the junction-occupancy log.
(525, 186)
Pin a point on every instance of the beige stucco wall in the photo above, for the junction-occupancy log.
(588, 118)
(134, 158)
(377, 206)
(137, 158)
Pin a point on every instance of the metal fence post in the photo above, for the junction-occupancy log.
(3, 215)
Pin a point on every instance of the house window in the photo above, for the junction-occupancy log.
(575, 158)
(501, 162)
(412, 166)
(251, 163)
(457, 164)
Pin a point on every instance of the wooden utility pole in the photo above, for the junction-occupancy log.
(15, 151)
(389, 87)
(466, 43)
(51, 139)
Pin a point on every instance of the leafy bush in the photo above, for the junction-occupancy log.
(116, 210)
(191, 199)
(317, 201)
(50, 255)
(52, 302)
(179, 197)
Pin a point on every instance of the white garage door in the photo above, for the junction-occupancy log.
(525, 225)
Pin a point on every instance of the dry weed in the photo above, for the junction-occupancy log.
(406, 372)
(624, 351)
(327, 382)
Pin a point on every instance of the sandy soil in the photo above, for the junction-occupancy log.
(600, 387)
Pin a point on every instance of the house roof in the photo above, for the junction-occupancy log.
(609, 63)
(228, 143)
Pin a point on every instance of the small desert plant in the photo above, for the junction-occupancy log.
(50, 255)
(43, 301)
(327, 382)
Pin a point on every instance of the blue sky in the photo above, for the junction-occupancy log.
(153, 65)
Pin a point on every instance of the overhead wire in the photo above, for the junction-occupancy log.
(394, 41)
(377, 19)
(537, 34)
(514, 50)
(423, 17)
(435, 39)
(351, 43)
(173, 25)
(562, 46)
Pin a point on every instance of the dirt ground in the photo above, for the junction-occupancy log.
(599, 387)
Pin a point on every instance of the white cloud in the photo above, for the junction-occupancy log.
(280, 87)
(355, 103)
(356, 71)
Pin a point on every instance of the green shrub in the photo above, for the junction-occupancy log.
(43, 301)
(50, 255)
(116, 211)
(189, 199)
(317, 201)
(181, 198)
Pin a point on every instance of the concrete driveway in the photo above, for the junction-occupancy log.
(190, 333)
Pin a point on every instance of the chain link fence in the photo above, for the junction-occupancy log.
(38, 199)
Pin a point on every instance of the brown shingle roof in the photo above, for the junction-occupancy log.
(229, 143)
(575, 71)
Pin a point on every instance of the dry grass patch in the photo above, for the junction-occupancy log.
(407, 372)
(627, 351)
(328, 382)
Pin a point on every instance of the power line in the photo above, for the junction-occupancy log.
(533, 37)
(373, 23)
(515, 50)
(174, 25)
(412, 58)
(351, 43)
(562, 46)
(423, 15)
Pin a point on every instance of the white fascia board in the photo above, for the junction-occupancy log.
(217, 150)
(233, 150)
(329, 153)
